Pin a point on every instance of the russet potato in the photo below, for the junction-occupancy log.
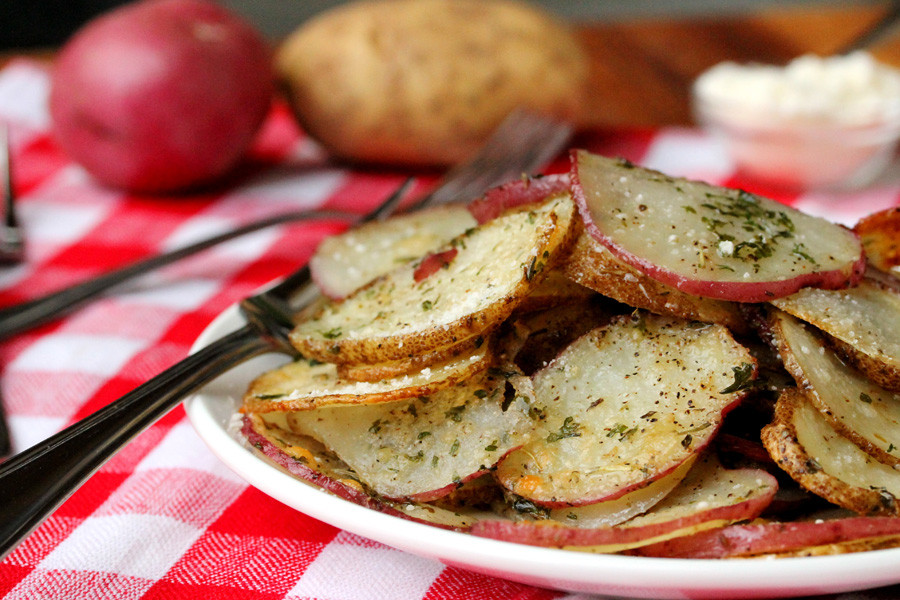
(423, 82)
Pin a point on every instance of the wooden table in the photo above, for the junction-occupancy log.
(643, 70)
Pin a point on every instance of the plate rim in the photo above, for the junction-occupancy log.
(565, 570)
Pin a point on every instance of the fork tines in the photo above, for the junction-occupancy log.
(524, 141)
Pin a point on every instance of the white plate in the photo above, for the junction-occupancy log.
(211, 410)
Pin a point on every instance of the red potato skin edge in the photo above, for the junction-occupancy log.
(551, 534)
(433, 263)
(748, 540)
(735, 291)
(439, 493)
(748, 449)
(342, 490)
(325, 482)
(519, 192)
(303, 471)
(700, 446)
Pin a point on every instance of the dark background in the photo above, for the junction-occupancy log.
(45, 23)
(48, 23)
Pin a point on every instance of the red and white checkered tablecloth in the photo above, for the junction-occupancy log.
(165, 519)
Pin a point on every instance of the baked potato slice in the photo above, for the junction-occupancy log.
(594, 516)
(862, 323)
(413, 364)
(767, 539)
(492, 270)
(857, 408)
(422, 449)
(592, 265)
(624, 405)
(555, 289)
(310, 461)
(880, 542)
(342, 263)
(709, 497)
(623, 508)
(880, 237)
(532, 339)
(305, 385)
(708, 240)
(807, 447)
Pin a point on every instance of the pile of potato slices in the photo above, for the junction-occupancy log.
(609, 360)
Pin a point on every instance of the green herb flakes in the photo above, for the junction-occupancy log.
(743, 378)
(455, 413)
(622, 430)
(332, 334)
(569, 428)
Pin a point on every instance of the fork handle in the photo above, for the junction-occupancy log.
(35, 482)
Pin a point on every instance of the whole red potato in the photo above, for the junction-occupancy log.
(161, 95)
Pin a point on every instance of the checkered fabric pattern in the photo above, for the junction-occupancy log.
(164, 519)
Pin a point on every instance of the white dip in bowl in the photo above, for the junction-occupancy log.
(816, 123)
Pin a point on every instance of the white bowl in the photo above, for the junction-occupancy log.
(827, 129)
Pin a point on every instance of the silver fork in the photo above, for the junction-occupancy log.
(12, 242)
(12, 246)
(35, 482)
